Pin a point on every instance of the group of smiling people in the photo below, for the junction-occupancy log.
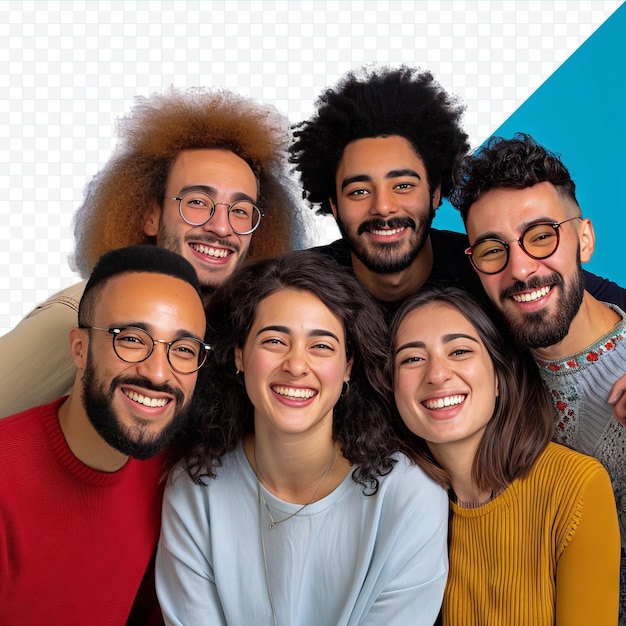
(308, 486)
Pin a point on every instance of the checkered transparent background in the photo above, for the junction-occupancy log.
(70, 69)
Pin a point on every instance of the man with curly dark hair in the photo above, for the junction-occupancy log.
(379, 154)
(529, 238)
(200, 172)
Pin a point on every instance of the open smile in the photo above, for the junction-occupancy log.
(211, 251)
(444, 402)
(294, 393)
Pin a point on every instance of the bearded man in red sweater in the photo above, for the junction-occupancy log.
(80, 478)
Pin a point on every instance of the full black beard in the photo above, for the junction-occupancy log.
(385, 259)
(538, 329)
(135, 441)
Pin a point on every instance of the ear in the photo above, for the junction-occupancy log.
(497, 389)
(346, 377)
(79, 344)
(587, 238)
(436, 198)
(152, 220)
(333, 206)
(239, 358)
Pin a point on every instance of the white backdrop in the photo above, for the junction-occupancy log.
(70, 69)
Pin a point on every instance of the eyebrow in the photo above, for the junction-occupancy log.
(521, 228)
(366, 178)
(180, 333)
(214, 191)
(445, 339)
(316, 332)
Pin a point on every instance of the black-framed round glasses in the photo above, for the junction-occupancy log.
(134, 345)
(197, 208)
(538, 241)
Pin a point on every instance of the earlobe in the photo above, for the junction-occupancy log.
(152, 220)
(587, 239)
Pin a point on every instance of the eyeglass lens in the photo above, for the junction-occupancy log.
(538, 241)
(197, 208)
(134, 345)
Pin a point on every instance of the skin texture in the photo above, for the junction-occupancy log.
(445, 386)
(505, 213)
(214, 249)
(168, 308)
(384, 210)
(296, 346)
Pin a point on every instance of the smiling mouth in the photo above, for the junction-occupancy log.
(387, 232)
(295, 393)
(444, 403)
(218, 253)
(145, 400)
(531, 296)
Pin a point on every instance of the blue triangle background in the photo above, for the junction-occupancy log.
(580, 113)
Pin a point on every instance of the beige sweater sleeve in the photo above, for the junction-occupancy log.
(36, 365)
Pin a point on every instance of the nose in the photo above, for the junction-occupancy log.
(156, 367)
(438, 370)
(384, 203)
(296, 362)
(219, 223)
(520, 265)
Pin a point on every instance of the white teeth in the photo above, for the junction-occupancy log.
(151, 402)
(215, 252)
(441, 403)
(532, 296)
(387, 233)
(290, 392)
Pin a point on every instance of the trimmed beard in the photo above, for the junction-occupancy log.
(136, 440)
(541, 329)
(386, 258)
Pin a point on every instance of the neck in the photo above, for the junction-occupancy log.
(458, 460)
(593, 320)
(299, 474)
(398, 286)
(83, 439)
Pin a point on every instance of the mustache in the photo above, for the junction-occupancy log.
(379, 223)
(535, 282)
(146, 383)
(208, 240)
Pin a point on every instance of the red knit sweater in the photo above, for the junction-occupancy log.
(75, 543)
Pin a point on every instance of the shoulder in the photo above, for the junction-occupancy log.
(68, 299)
(338, 250)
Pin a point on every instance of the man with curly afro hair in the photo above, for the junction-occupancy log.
(203, 173)
(379, 154)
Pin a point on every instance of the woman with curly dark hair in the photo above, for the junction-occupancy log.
(293, 504)
(534, 536)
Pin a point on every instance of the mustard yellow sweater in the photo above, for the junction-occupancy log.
(545, 551)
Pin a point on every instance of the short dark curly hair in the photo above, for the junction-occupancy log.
(515, 163)
(379, 102)
(222, 413)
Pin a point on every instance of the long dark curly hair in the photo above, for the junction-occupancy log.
(222, 414)
(379, 102)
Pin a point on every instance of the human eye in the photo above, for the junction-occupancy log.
(410, 359)
(323, 346)
(404, 186)
(186, 348)
(197, 201)
(242, 210)
(132, 338)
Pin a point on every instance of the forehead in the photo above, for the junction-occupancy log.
(430, 322)
(221, 169)
(379, 155)
(162, 302)
(504, 210)
(296, 309)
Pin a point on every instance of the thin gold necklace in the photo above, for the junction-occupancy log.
(273, 523)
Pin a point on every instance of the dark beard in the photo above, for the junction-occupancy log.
(136, 441)
(541, 329)
(386, 258)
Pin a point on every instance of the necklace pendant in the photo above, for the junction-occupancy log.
(271, 525)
